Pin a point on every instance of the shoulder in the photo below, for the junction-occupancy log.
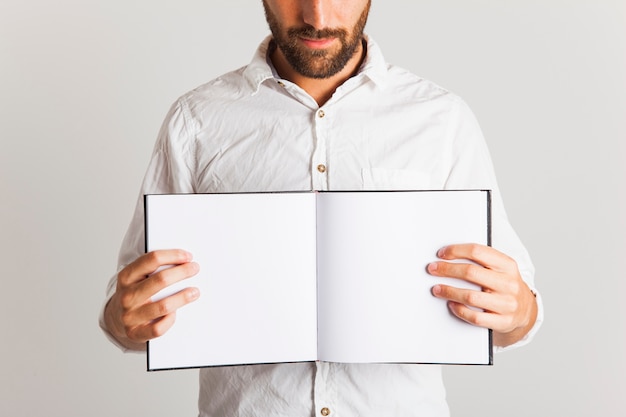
(212, 101)
(229, 86)
(400, 84)
(415, 97)
(418, 89)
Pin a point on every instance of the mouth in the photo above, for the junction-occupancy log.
(317, 43)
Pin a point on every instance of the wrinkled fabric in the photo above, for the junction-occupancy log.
(383, 129)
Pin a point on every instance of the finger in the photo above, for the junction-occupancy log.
(143, 292)
(481, 254)
(171, 304)
(166, 277)
(477, 318)
(149, 263)
(152, 312)
(154, 329)
(469, 272)
(486, 301)
(489, 320)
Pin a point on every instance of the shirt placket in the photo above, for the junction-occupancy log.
(319, 161)
(325, 391)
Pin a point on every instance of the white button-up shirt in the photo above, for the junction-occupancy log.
(383, 129)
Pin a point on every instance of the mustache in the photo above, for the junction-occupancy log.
(310, 32)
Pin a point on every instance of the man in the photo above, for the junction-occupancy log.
(318, 108)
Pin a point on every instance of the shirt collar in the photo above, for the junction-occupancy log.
(374, 65)
(259, 70)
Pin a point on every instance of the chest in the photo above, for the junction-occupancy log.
(348, 147)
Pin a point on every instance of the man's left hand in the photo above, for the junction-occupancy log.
(505, 304)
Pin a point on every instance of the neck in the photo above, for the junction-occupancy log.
(321, 89)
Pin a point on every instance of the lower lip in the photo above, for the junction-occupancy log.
(317, 43)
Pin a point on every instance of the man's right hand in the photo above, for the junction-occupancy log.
(131, 315)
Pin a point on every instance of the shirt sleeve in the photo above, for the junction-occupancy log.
(169, 171)
(472, 168)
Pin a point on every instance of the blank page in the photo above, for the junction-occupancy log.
(257, 278)
(375, 302)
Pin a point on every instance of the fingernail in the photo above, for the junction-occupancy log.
(441, 252)
(194, 293)
(432, 267)
(436, 290)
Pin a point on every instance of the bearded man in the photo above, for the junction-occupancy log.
(318, 108)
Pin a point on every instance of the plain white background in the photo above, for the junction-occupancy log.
(84, 85)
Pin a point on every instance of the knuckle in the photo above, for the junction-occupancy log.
(468, 315)
(164, 307)
(509, 324)
(480, 320)
(127, 319)
(160, 327)
(476, 251)
(472, 298)
(157, 330)
(472, 272)
(160, 279)
(191, 268)
(154, 257)
(126, 300)
(123, 277)
(514, 305)
(513, 287)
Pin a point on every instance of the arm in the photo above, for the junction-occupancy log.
(130, 316)
(507, 305)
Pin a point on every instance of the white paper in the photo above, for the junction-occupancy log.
(266, 259)
(374, 294)
(257, 278)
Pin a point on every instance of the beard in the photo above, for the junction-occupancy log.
(316, 63)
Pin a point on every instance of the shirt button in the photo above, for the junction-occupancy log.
(321, 168)
(325, 411)
(320, 113)
(281, 83)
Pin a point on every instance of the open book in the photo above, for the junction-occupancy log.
(306, 276)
